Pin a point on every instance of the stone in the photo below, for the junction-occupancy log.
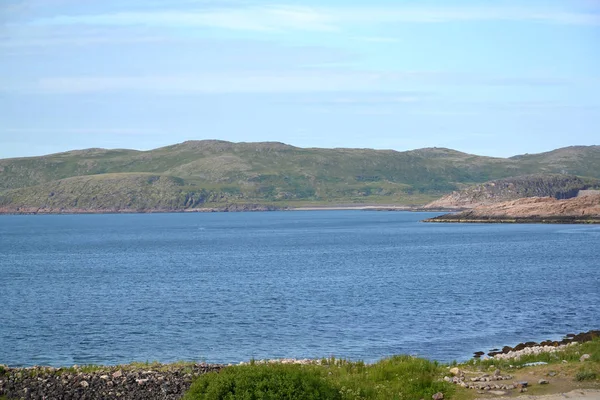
(510, 387)
(497, 372)
(584, 357)
(447, 379)
(104, 377)
(552, 373)
(438, 396)
(456, 372)
(117, 374)
(85, 384)
(543, 382)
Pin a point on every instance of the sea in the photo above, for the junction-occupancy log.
(231, 287)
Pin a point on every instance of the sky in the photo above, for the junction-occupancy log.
(495, 78)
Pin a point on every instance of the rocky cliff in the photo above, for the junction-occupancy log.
(538, 185)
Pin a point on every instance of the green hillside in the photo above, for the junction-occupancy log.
(206, 173)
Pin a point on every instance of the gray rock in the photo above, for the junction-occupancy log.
(543, 382)
(438, 396)
(584, 357)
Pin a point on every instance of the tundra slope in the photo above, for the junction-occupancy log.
(215, 175)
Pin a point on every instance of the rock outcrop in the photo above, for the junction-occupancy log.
(501, 190)
(584, 209)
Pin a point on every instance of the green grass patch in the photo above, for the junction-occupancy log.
(586, 374)
(395, 378)
(265, 382)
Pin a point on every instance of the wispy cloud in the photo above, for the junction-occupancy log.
(289, 81)
(82, 131)
(277, 18)
(261, 19)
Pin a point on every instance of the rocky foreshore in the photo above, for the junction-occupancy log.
(171, 381)
(544, 210)
(146, 382)
(546, 346)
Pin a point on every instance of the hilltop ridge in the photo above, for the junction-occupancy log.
(214, 173)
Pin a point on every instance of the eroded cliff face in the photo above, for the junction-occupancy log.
(583, 209)
(502, 190)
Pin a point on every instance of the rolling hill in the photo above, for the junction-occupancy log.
(210, 173)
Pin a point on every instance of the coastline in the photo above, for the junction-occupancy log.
(227, 208)
(461, 219)
(171, 381)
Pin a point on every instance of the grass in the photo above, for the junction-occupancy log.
(586, 374)
(395, 378)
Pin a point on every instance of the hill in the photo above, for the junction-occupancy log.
(500, 190)
(211, 173)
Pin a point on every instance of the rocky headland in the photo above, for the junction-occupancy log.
(577, 210)
(502, 190)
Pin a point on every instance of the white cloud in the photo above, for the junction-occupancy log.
(279, 18)
(90, 131)
(289, 81)
(262, 19)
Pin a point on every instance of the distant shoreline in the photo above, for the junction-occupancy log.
(231, 208)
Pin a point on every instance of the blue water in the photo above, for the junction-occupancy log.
(227, 287)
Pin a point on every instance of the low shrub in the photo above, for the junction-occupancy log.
(395, 378)
(265, 382)
(585, 375)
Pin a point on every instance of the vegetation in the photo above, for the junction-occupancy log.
(211, 173)
(586, 374)
(265, 382)
(399, 377)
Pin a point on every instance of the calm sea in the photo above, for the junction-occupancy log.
(228, 287)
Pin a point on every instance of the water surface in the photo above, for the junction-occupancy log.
(226, 287)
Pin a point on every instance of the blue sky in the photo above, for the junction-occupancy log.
(494, 78)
